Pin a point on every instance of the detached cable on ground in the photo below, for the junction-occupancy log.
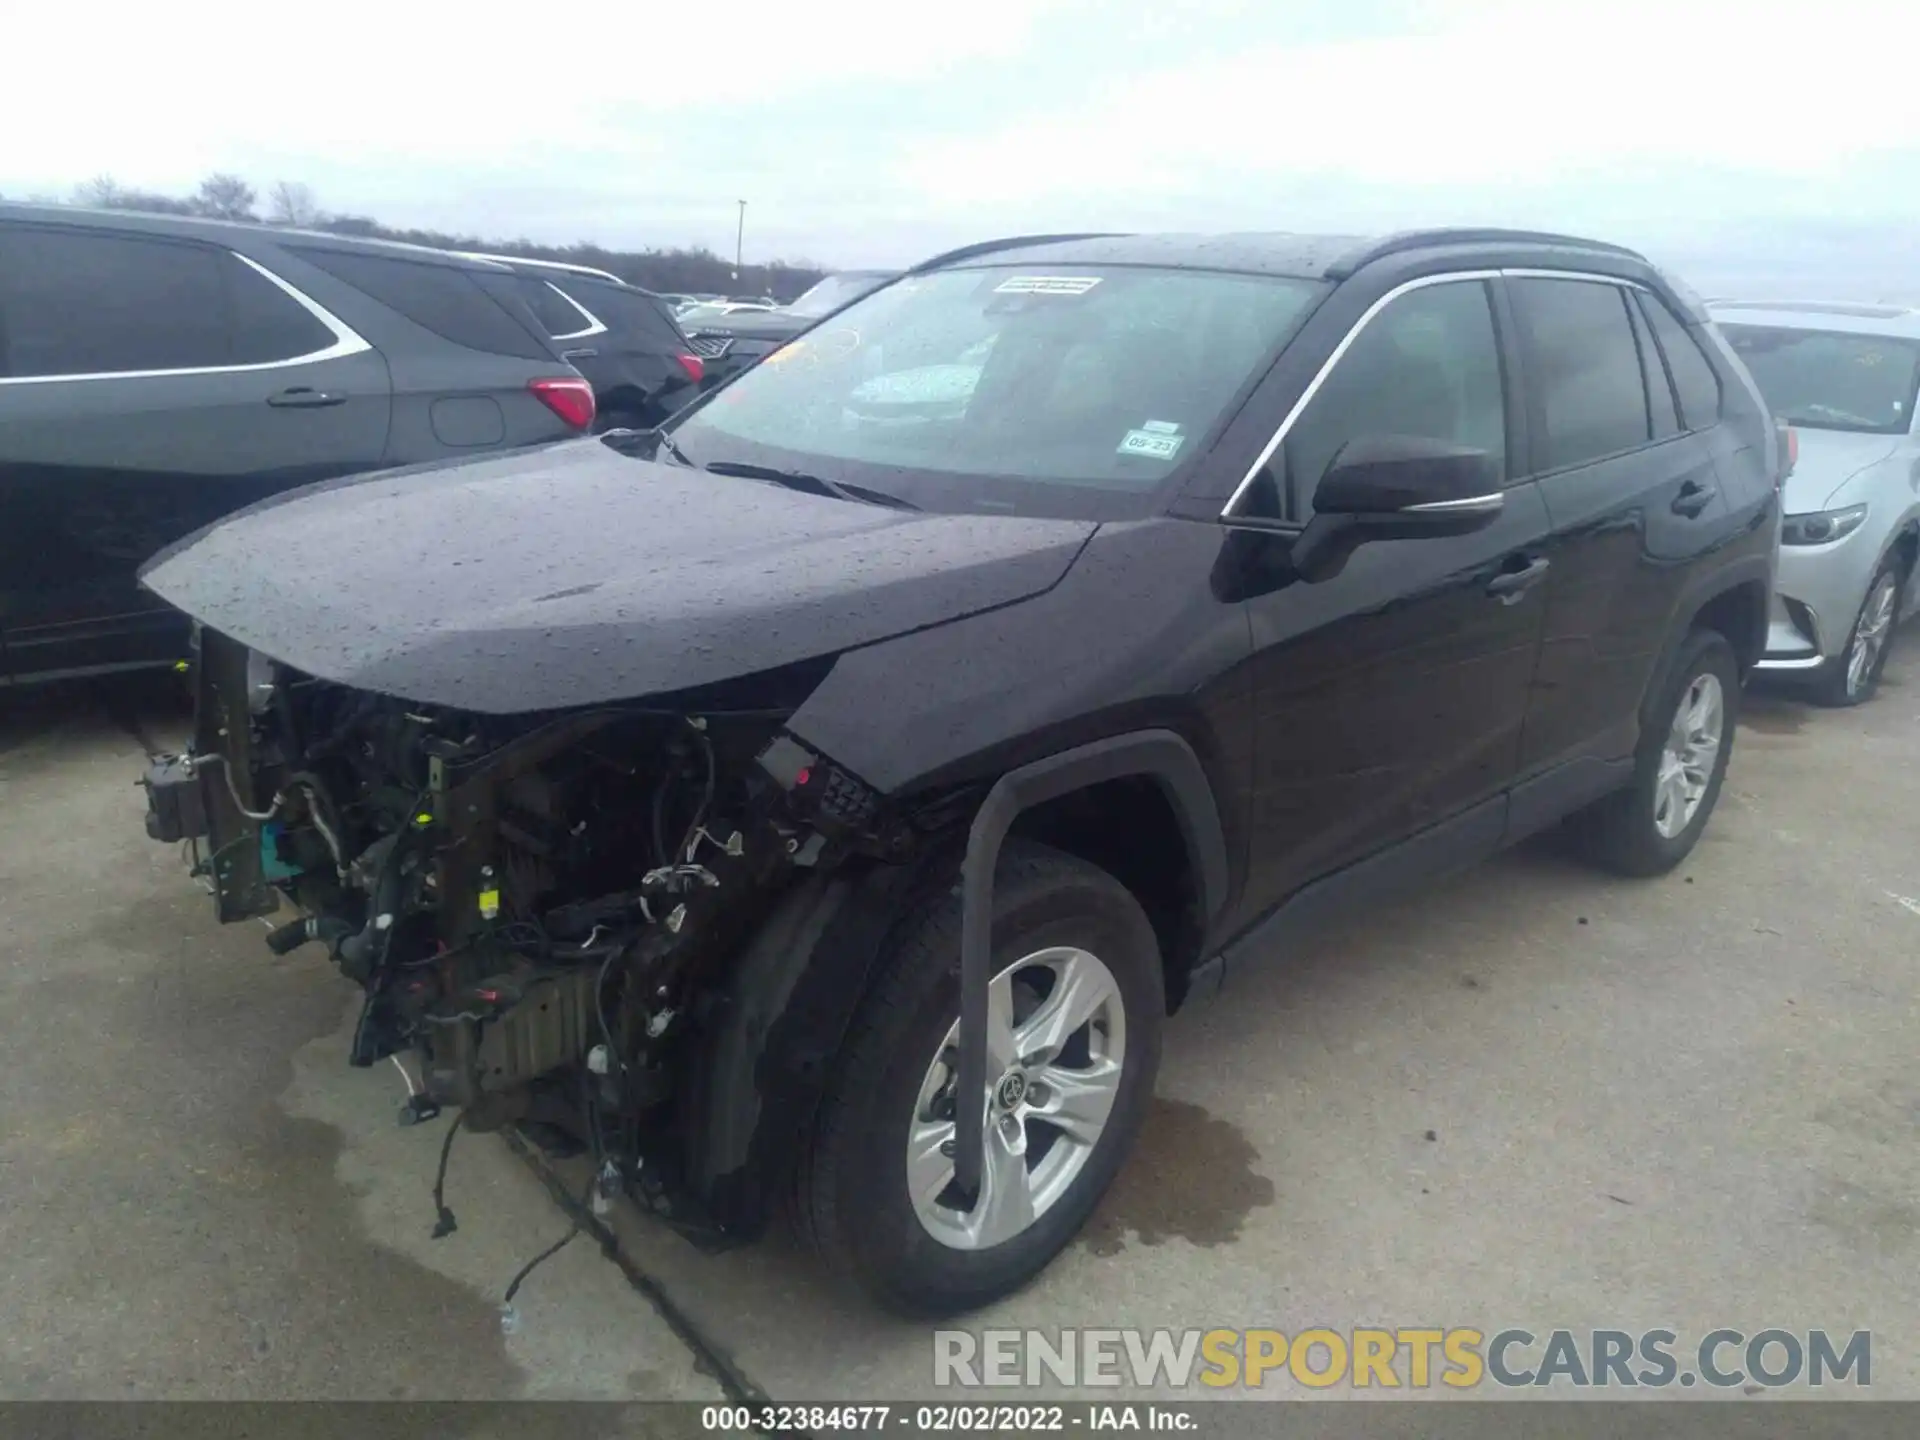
(444, 1224)
(510, 1317)
(708, 1357)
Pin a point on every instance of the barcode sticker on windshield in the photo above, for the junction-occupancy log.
(1153, 447)
(1047, 285)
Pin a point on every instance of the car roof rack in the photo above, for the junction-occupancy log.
(1405, 240)
(597, 274)
(1011, 242)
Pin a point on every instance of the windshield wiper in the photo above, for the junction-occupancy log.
(812, 484)
(652, 441)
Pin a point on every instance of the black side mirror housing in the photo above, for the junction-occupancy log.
(1394, 474)
(1395, 487)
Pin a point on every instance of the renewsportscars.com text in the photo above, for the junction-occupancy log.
(1415, 1358)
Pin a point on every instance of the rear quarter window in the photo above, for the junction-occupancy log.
(1695, 382)
(442, 298)
(556, 311)
(634, 313)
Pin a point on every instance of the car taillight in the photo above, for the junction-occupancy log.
(695, 367)
(1789, 443)
(570, 399)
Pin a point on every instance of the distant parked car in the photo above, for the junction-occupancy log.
(734, 340)
(157, 373)
(1845, 378)
(625, 340)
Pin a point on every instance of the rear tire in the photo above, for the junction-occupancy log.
(870, 1195)
(1686, 738)
(1852, 676)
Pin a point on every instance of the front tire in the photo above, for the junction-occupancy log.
(1852, 676)
(1073, 1046)
(1687, 738)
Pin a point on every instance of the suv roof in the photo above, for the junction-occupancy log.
(229, 232)
(1331, 257)
(1312, 257)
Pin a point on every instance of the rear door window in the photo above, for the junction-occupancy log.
(79, 303)
(442, 298)
(1586, 369)
(1694, 378)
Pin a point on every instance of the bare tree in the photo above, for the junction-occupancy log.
(225, 197)
(103, 191)
(291, 202)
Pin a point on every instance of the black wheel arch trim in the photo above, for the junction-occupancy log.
(769, 1046)
(767, 1049)
(1161, 754)
(1694, 601)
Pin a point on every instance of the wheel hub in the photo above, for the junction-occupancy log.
(1870, 634)
(1689, 756)
(1056, 1036)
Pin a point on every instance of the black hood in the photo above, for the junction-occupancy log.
(572, 575)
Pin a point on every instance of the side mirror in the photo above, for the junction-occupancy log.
(1395, 487)
(1403, 475)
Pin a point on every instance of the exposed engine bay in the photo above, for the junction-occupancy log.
(539, 909)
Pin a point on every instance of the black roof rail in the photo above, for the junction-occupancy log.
(1405, 240)
(1011, 242)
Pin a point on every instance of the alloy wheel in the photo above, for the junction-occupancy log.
(1056, 1050)
(1870, 633)
(1687, 761)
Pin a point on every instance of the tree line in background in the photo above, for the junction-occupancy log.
(676, 271)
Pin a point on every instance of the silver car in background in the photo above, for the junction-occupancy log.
(1844, 377)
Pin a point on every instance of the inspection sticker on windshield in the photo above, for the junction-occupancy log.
(1047, 285)
(1154, 445)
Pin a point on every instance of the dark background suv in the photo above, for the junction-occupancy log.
(730, 342)
(625, 340)
(157, 372)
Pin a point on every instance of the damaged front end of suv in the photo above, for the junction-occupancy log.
(544, 911)
(589, 794)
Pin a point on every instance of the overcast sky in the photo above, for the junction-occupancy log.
(1751, 144)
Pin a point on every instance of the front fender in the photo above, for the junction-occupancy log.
(770, 1047)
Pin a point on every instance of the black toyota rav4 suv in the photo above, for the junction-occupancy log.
(826, 798)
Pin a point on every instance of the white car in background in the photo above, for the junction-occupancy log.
(1844, 377)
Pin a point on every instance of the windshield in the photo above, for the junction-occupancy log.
(833, 292)
(1831, 380)
(1008, 388)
